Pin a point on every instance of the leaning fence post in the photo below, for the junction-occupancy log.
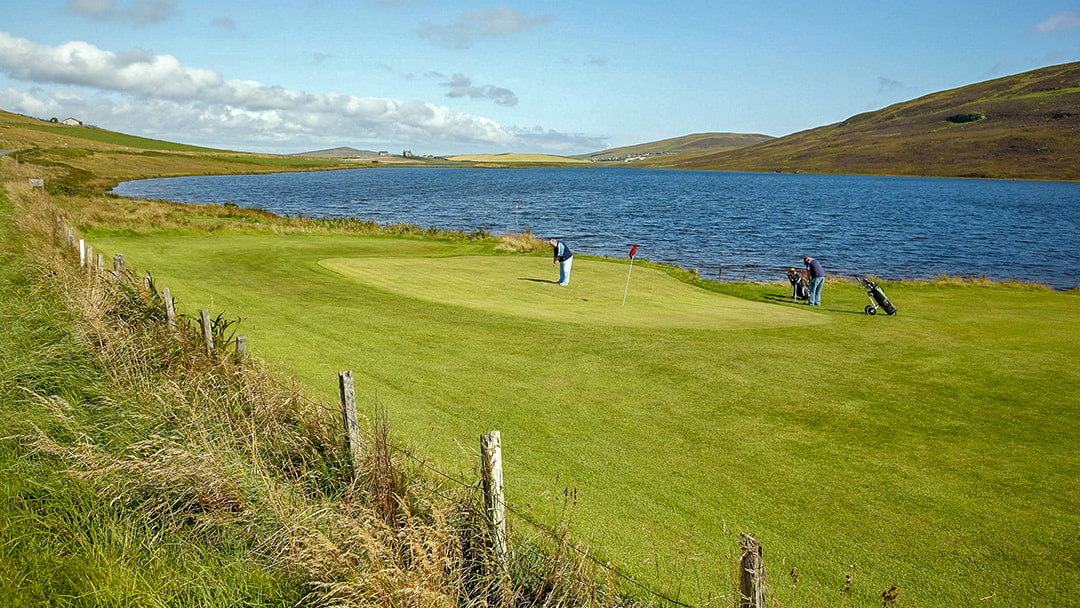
(348, 415)
(494, 497)
(170, 308)
(207, 330)
(751, 574)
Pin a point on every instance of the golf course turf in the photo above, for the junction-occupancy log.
(934, 449)
(524, 286)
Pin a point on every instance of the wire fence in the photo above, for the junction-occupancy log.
(88, 259)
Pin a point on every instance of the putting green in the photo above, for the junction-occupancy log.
(525, 286)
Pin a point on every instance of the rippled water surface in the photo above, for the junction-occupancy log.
(731, 225)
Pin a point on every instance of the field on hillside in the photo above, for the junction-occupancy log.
(934, 450)
(517, 158)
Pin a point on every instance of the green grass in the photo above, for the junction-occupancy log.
(62, 542)
(118, 139)
(935, 450)
(527, 287)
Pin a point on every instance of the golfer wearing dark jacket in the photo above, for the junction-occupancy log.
(817, 279)
(564, 258)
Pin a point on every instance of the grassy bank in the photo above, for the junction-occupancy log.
(933, 450)
(67, 540)
(142, 470)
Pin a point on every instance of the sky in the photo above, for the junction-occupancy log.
(444, 77)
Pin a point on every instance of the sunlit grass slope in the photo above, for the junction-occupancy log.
(934, 450)
(527, 287)
(518, 158)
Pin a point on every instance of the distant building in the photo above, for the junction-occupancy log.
(72, 122)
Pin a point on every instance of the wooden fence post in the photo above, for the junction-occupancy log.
(494, 494)
(170, 308)
(348, 415)
(207, 330)
(82, 253)
(101, 261)
(241, 346)
(751, 574)
(119, 265)
(90, 258)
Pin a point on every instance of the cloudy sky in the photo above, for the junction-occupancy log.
(445, 77)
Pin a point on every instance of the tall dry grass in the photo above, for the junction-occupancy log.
(522, 242)
(225, 447)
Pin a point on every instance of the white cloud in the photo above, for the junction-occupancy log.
(498, 21)
(1065, 20)
(140, 12)
(171, 98)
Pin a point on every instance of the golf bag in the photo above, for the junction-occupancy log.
(800, 290)
(878, 298)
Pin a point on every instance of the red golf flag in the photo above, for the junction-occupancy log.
(633, 250)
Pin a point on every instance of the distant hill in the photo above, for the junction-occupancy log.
(515, 158)
(698, 142)
(342, 152)
(1025, 126)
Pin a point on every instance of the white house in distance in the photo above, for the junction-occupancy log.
(72, 122)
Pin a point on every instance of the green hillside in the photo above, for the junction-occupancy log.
(87, 158)
(1025, 126)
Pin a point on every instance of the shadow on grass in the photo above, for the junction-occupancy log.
(787, 300)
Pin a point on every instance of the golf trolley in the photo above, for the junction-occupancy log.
(800, 290)
(878, 299)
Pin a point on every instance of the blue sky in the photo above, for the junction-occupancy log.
(561, 77)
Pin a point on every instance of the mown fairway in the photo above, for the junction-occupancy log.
(934, 450)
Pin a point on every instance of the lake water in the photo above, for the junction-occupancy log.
(733, 226)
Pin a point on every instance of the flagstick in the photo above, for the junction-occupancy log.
(625, 291)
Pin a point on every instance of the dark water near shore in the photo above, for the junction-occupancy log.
(735, 226)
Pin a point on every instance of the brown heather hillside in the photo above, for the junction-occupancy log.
(1025, 126)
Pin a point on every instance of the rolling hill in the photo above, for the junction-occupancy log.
(1024, 126)
(340, 152)
(698, 142)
